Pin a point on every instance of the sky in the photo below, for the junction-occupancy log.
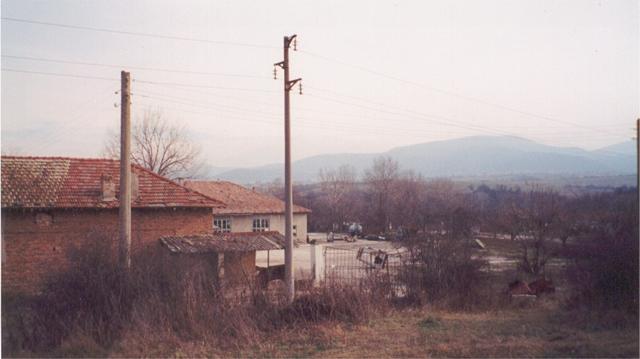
(375, 74)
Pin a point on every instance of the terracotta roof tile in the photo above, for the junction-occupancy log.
(240, 200)
(61, 182)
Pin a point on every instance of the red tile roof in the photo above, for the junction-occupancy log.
(241, 200)
(61, 182)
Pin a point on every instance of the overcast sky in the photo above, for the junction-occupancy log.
(376, 74)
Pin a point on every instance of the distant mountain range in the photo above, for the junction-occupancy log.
(475, 156)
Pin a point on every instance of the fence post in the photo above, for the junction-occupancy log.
(317, 263)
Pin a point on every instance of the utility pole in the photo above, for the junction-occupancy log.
(288, 189)
(638, 166)
(125, 170)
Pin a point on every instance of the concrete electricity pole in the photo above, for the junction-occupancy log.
(125, 170)
(288, 190)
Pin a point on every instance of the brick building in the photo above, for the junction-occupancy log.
(52, 204)
(249, 211)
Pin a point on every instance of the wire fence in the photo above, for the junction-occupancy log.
(352, 266)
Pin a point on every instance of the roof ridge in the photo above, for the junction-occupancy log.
(57, 158)
(177, 184)
(228, 188)
(91, 167)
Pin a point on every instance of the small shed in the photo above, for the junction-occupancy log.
(233, 254)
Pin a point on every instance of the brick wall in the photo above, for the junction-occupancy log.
(36, 243)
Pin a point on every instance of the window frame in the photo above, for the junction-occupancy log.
(261, 224)
(226, 224)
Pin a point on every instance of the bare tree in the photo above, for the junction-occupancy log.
(540, 215)
(510, 216)
(447, 209)
(409, 201)
(380, 180)
(159, 147)
(337, 186)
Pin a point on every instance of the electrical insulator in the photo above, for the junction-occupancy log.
(300, 87)
(275, 73)
(295, 44)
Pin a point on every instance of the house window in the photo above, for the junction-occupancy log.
(260, 224)
(295, 230)
(222, 225)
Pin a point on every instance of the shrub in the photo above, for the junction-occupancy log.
(604, 260)
(335, 302)
(87, 308)
(441, 269)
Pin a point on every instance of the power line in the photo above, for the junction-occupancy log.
(241, 98)
(207, 104)
(305, 122)
(211, 105)
(142, 34)
(441, 117)
(437, 119)
(74, 118)
(30, 58)
(446, 92)
(443, 120)
(181, 84)
(230, 43)
(60, 74)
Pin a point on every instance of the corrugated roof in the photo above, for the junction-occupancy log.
(224, 242)
(241, 200)
(62, 182)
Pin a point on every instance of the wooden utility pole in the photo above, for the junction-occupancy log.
(288, 189)
(638, 166)
(125, 170)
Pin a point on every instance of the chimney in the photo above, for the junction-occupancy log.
(108, 187)
(134, 187)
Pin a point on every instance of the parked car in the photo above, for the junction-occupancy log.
(375, 237)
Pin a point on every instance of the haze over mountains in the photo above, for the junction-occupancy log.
(475, 156)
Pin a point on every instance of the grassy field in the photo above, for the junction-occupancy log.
(541, 330)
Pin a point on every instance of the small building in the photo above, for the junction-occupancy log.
(51, 205)
(247, 210)
(232, 256)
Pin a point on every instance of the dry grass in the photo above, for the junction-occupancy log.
(538, 331)
(330, 321)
